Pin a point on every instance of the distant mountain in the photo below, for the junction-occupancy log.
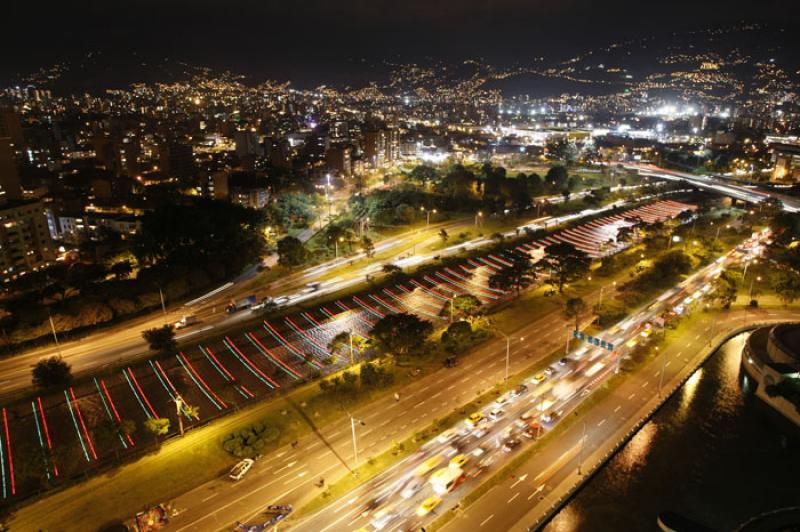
(713, 64)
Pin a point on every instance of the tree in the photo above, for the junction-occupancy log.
(121, 269)
(574, 308)
(515, 277)
(374, 376)
(457, 337)
(566, 262)
(161, 339)
(556, 177)
(467, 304)
(202, 231)
(400, 334)
(52, 372)
(157, 427)
(339, 343)
(423, 174)
(625, 233)
(368, 246)
(725, 289)
(786, 285)
(291, 252)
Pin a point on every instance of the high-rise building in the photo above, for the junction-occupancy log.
(338, 160)
(177, 160)
(247, 143)
(374, 147)
(11, 126)
(787, 163)
(25, 243)
(10, 188)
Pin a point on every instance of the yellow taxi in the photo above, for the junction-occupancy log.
(428, 505)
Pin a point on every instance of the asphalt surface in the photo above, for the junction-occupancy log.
(124, 343)
(501, 508)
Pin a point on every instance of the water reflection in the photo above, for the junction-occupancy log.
(706, 454)
(687, 393)
(635, 452)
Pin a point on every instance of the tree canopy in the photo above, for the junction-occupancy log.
(566, 261)
(52, 372)
(400, 334)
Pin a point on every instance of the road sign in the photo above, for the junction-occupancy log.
(593, 340)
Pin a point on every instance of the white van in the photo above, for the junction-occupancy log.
(240, 469)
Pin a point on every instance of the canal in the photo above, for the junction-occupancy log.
(708, 454)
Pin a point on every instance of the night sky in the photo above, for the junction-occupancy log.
(286, 38)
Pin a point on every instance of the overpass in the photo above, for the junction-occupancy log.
(716, 184)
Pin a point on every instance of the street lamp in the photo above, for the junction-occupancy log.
(477, 217)
(663, 369)
(508, 353)
(336, 244)
(428, 215)
(752, 283)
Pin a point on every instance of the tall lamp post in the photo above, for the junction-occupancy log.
(508, 354)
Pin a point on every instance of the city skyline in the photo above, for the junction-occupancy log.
(489, 265)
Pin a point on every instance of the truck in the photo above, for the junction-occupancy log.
(186, 321)
(445, 479)
(241, 304)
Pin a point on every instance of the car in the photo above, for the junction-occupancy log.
(482, 431)
(282, 300)
(447, 436)
(551, 417)
(478, 451)
(459, 460)
(533, 431)
(563, 361)
(412, 487)
(511, 444)
(539, 378)
(521, 424)
(313, 286)
(382, 518)
(503, 399)
(186, 321)
(428, 465)
(450, 362)
(450, 451)
(428, 505)
(549, 371)
(240, 469)
(475, 418)
(496, 413)
(520, 390)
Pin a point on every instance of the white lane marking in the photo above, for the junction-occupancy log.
(512, 498)
(419, 404)
(437, 395)
(617, 409)
(451, 386)
(601, 423)
(631, 396)
(536, 491)
(290, 480)
(667, 363)
(486, 520)
(210, 497)
(645, 384)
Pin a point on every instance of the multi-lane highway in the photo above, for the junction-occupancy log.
(290, 474)
(124, 343)
(407, 496)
